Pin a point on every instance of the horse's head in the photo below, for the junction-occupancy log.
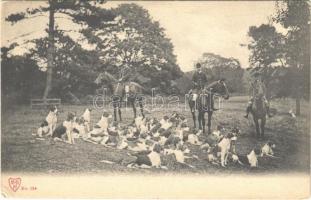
(220, 88)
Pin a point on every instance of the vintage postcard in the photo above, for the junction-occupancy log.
(155, 99)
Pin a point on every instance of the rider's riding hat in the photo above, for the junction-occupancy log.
(198, 65)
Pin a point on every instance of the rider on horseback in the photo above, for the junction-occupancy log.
(199, 78)
(199, 81)
(257, 89)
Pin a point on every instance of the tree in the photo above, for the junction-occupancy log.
(267, 54)
(217, 67)
(136, 48)
(74, 67)
(295, 17)
(80, 11)
(21, 78)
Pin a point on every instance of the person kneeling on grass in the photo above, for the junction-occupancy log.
(65, 130)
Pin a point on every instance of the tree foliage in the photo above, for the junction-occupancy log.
(284, 60)
(123, 40)
(81, 11)
(217, 67)
(266, 46)
(295, 17)
(267, 55)
(21, 78)
(74, 67)
(136, 48)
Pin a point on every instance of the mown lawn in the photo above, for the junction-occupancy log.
(21, 152)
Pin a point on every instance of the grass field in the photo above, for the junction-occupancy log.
(22, 152)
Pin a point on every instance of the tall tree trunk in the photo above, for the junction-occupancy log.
(50, 56)
(268, 89)
(299, 84)
(297, 106)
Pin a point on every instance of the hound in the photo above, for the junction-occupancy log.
(193, 139)
(218, 132)
(250, 159)
(148, 159)
(65, 128)
(225, 145)
(87, 118)
(79, 127)
(43, 129)
(101, 126)
(51, 119)
(166, 123)
(267, 149)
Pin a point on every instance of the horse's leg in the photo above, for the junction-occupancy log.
(194, 118)
(132, 102)
(257, 126)
(192, 109)
(209, 121)
(140, 102)
(116, 103)
(114, 112)
(203, 121)
(119, 110)
(200, 119)
(263, 123)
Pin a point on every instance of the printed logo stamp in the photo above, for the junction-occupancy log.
(15, 183)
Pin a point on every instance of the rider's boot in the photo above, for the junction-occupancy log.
(248, 110)
(213, 108)
(268, 110)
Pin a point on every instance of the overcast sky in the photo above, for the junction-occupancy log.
(193, 27)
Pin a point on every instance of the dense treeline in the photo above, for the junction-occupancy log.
(283, 57)
(115, 43)
(126, 42)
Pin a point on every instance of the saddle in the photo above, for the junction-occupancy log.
(258, 97)
(194, 94)
(258, 101)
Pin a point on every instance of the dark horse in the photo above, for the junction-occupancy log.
(128, 92)
(259, 112)
(131, 92)
(204, 103)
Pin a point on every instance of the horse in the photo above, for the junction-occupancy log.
(131, 92)
(204, 103)
(259, 112)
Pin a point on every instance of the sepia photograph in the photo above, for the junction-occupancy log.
(155, 99)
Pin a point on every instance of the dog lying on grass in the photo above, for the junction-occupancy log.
(144, 136)
(65, 129)
(79, 128)
(43, 130)
(250, 159)
(101, 128)
(267, 149)
(147, 159)
(179, 154)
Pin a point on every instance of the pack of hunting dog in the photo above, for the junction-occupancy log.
(74, 73)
